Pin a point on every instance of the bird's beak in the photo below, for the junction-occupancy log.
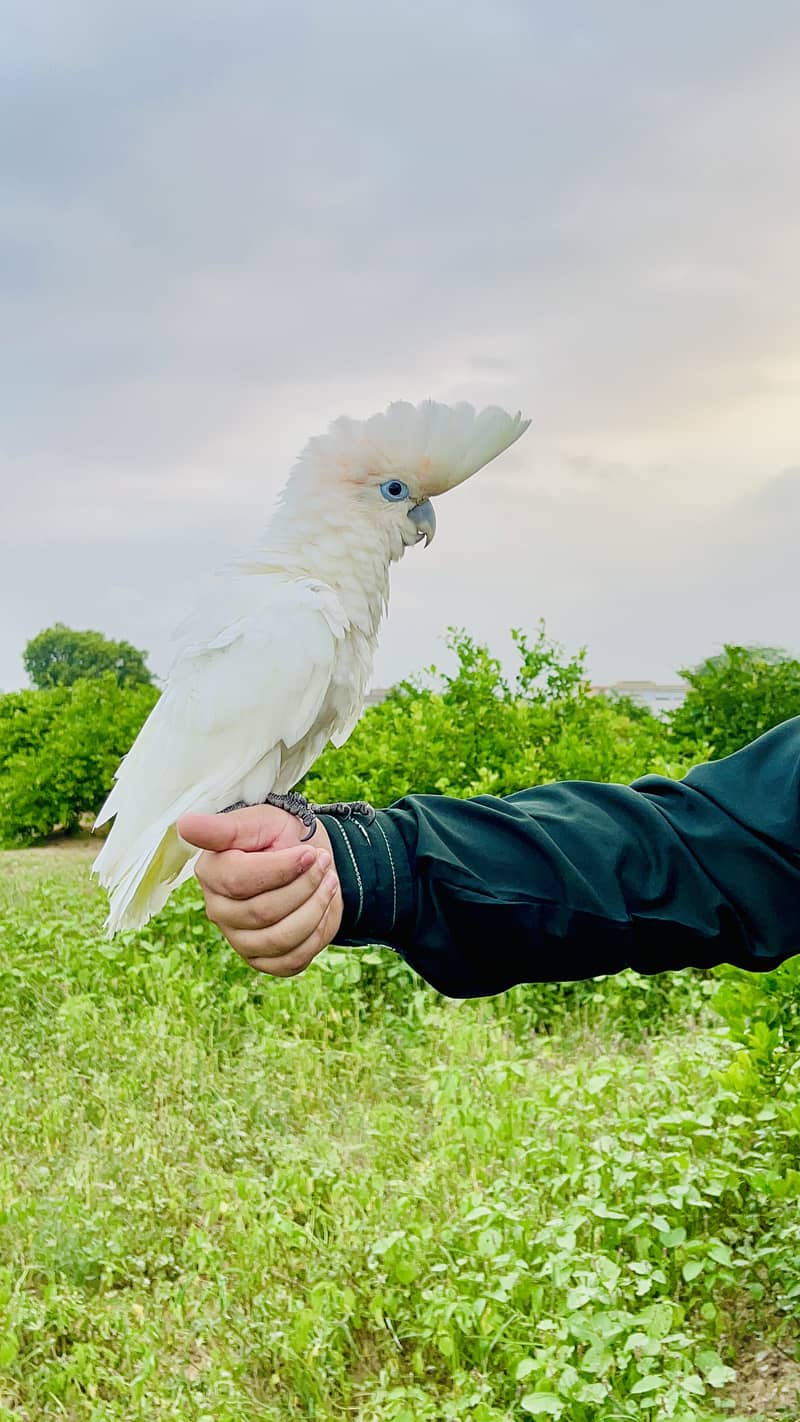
(424, 520)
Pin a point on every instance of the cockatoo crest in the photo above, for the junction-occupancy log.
(432, 447)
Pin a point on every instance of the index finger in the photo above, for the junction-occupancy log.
(241, 874)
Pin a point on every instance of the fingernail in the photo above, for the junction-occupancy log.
(329, 883)
(307, 859)
(324, 859)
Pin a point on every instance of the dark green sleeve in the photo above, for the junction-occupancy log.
(576, 879)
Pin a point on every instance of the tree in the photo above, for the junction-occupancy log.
(60, 656)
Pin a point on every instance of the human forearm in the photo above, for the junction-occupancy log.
(576, 879)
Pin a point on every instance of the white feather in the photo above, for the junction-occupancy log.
(276, 659)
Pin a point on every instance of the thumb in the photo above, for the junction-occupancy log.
(255, 827)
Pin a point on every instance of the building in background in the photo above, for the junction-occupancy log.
(658, 696)
(376, 696)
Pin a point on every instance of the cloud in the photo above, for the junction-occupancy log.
(221, 229)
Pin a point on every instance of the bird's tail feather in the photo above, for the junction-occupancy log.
(142, 861)
(145, 883)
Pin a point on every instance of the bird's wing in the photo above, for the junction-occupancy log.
(232, 702)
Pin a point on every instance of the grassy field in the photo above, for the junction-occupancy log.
(227, 1198)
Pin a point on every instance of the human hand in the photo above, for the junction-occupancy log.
(275, 899)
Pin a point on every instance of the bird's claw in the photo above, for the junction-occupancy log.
(296, 804)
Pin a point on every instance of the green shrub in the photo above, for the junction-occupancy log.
(737, 696)
(470, 732)
(476, 733)
(762, 1014)
(59, 750)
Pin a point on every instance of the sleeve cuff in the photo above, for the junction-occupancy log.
(375, 875)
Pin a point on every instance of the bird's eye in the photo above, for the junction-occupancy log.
(394, 491)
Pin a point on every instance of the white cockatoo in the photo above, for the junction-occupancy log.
(276, 659)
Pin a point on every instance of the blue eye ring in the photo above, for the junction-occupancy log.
(394, 490)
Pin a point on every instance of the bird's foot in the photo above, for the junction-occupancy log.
(293, 803)
(296, 804)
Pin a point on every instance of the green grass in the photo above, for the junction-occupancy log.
(229, 1198)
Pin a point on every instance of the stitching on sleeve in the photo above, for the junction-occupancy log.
(359, 880)
(394, 874)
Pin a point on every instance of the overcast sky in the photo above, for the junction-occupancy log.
(222, 226)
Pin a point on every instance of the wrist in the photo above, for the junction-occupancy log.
(375, 877)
